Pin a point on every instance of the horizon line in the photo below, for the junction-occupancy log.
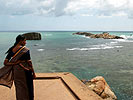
(66, 30)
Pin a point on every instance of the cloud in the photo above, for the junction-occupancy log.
(67, 7)
(98, 7)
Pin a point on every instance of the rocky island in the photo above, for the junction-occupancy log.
(32, 36)
(104, 35)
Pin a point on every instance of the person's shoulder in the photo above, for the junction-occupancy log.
(26, 48)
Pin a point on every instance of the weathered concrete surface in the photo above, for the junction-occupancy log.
(55, 86)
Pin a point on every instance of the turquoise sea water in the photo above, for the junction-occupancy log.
(82, 56)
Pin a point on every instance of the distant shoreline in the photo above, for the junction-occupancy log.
(58, 31)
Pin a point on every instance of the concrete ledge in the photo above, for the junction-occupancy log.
(55, 86)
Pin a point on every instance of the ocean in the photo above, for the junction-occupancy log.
(60, 51)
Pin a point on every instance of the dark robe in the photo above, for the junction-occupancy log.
(21, 74)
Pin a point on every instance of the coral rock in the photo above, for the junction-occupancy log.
(100, 87)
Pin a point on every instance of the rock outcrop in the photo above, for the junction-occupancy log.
(100, 87)
(104, 35)
(83, 33)
(32, 36)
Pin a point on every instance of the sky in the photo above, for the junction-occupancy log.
(66, 15)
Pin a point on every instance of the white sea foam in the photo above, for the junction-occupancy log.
(123, 40)
(103, 46)
(70, 49)
(124, 36)
(93, 48)
(47, 34)
(110, 45)
(83, 36)
(82, 49)
(40, 49)
(118, 46)
(127, 36)
(120, 40)
(107, 47)
(87, 37)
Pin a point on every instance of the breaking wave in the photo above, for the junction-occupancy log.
(40, 49)
(111, 45)
(93, 48)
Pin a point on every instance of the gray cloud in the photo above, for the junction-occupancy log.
(107, 9)
(59, 7)
(67, 7)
